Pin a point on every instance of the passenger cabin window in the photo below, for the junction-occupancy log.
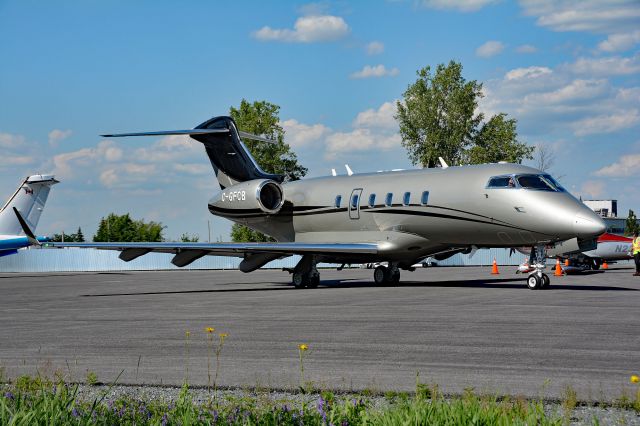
(338, 201)
(502, 182)
(372, 200)
(354, 201)
(425, 198)
(389, 199)
(406, 200)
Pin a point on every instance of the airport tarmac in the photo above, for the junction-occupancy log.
(458, 327)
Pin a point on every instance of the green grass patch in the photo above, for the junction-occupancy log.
(40, 402)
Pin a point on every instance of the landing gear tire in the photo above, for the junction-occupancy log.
(314, 281)
(380, 275)
(534, 282)
(595, 264)
(300, 280)
(393, 276)
(545, 281)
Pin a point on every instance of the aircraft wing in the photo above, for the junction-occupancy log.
(185, 253)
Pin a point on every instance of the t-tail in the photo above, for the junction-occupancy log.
(28, 200)
(222, 140)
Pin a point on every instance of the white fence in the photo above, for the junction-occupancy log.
(68, 260)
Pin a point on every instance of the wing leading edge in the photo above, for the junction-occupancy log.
(186, 253)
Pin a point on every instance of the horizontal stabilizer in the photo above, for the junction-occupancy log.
(169, 132)
(246, 135)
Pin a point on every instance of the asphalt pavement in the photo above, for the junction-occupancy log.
(457, 327)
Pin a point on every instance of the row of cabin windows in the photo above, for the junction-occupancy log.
(388, 199)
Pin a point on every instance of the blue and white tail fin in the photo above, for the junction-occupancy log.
(29, 200)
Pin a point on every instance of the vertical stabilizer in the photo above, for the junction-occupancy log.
(29, 199)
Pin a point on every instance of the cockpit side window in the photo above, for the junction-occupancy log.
(501, 182)
(536, 182)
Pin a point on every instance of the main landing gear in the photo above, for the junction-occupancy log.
(538, 279)
(305, 274)
(386, 274)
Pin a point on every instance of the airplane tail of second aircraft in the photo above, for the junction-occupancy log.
(29, 199)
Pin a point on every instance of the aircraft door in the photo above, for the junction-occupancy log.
(354, 203)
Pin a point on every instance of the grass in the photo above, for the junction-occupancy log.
(30, 401)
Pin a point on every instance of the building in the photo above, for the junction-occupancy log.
(604, 208)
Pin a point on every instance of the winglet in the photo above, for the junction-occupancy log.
(30, 236)
(443, 163)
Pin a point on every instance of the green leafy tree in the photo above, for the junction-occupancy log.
(188, 238)
(123, 228)
(262, 118)
(78, 237)
(631, 225)
(439, 117)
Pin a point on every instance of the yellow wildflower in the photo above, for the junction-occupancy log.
(209, 329)
(187, 333)
(223, 335)
(303, 347)
(635, 379)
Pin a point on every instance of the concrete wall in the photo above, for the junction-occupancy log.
(65, 260)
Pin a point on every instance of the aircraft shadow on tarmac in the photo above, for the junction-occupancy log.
(495, 283)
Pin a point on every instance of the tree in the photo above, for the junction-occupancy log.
(262, 118)
(188, 238)
(544, 157)
(78, 237)
(438, 118)
(123, 228)
(631, 225)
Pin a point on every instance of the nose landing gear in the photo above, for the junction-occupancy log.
(537, 278)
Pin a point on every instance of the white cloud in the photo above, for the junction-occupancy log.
(8, 140)
(307, 29)
(375, 48)
(620, 42)
(299, 134)
(489, 49)
(16, 160)
(526, 48)
(607, 123)
(195, 169)
(360, 140)
(381, 117)
(585, 15)
(529, 72)
(459, 5)
(575, 98)
(593, 188)
(105, 151)
(375, 71)
(614, 65)
(57, 135)
(627, 165)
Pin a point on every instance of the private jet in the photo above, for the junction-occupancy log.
(397, 217)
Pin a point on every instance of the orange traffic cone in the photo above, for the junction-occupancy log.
(558, 272)
(566, 262)
(494, 269)
(605, 265)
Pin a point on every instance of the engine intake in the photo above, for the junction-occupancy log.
(245, 197)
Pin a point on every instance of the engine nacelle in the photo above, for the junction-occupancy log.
(264, 194)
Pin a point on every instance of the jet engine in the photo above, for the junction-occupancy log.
(264, 194)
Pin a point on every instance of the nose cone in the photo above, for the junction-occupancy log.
(588, 225)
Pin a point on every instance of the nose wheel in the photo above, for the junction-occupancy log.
(535, 281)
(538, 279)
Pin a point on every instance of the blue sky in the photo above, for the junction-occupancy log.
(568, 71)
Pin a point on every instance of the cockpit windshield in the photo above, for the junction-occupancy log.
(529, 181)
(540, 182)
